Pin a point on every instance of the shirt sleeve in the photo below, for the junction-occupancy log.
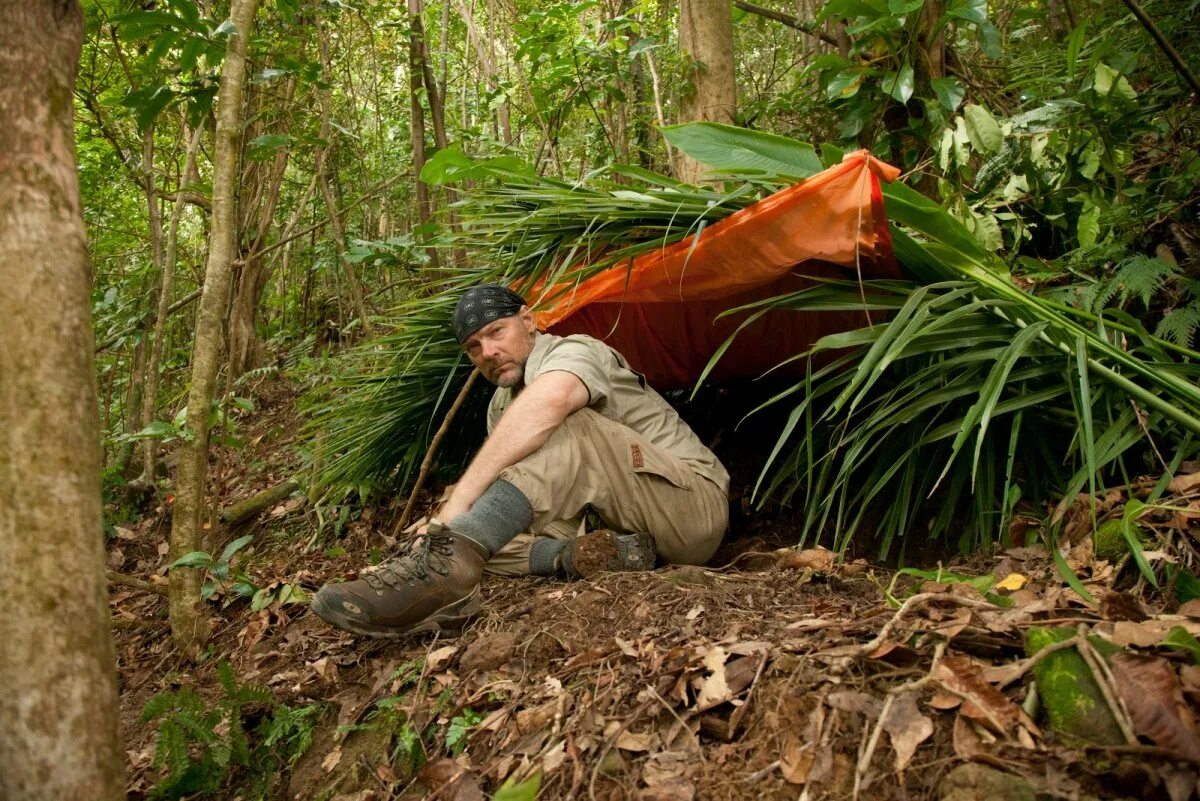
(587, 361)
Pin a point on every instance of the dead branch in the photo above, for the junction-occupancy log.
(253, 506)
(126, 580)
(434, 444)
(1168, 49)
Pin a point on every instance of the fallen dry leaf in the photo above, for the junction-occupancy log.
(331, 759)
(797, 760)
(637, 741)
(674, 790)
(667, 766)
(1154, 699)
(1182, 485)
(853, 701)
(982, 701)
(554, 758)
(451, 780)
(437, 660)
(907, 727)
(1012, 582)
(714, 690)
(818, 560)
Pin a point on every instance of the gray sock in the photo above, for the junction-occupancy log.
(546, 556)
(501, 513)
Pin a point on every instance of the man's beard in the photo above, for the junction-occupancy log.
(510, 377)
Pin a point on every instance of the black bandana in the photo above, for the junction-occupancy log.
(481, 305)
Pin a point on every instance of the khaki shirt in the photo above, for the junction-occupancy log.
(619, 393)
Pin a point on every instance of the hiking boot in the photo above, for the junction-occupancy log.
(432, 586)
(607, 551)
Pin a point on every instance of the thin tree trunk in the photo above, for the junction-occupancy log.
(59, 738)
(706, 42)
(133, 402)
(416, 72)
(931, 41)
(189, 624)
(324, 171)
(436, 97)
(167, 287)
(488, 65)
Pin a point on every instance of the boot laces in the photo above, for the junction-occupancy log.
(432, 551)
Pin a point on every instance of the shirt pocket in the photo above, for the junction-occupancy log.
(646, 459)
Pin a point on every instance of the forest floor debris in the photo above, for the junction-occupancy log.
(781, 675)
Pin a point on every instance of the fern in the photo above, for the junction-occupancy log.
(199, 754)
(1143, 277)
(1180, 325)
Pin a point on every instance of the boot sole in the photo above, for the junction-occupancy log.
(450, 619)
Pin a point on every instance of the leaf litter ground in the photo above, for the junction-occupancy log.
(780, 675)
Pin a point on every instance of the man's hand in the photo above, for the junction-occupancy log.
(528, 422)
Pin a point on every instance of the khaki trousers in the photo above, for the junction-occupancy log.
(632, 484)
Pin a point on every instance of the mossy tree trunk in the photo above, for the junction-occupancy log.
(58, 711)
(189, 625)
(706, 42)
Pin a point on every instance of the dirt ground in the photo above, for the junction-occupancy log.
(780, 675)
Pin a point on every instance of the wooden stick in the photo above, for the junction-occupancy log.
(434, 444)
(256, 504)
(132, 581)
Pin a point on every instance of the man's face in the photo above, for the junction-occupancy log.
(501, 348)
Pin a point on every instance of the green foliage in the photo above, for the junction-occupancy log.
(224, 579)
(459, 729)
(202, 748)
(374, 420)
(964, 358)
(519, 791)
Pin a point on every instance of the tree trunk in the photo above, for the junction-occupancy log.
(166, 288)
(436, 98)
(324, 171)
(931, 43)
(416, 71)
(706, 42)
(189, 625)
(133, 401)
(245, 347)
(488, 65)
(59, 738)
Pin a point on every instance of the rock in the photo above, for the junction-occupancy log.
(1073, 702)
(685, 575)
(489, 652)
(974, 782)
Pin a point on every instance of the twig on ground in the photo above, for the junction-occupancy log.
(132, 581)
(866, 754)
(908, 606)
(736, 718)
(1107, 684)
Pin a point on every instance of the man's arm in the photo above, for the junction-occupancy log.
(527, 423)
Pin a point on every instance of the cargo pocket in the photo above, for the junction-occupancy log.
(646, 459)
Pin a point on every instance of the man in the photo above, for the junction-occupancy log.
(571, 426)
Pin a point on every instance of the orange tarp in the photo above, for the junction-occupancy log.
(661, 311)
